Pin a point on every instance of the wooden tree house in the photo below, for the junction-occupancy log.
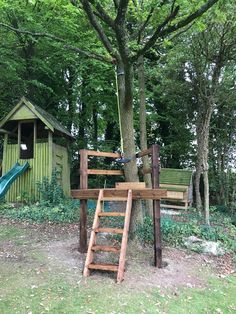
(32, 135)
(123, 192)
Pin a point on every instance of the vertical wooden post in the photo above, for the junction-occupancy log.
(83, 203)
(4, 170)
(35, 137)
(19, 140)
(50, 155)
(156, 208)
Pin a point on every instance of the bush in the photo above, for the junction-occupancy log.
(174, 232)
(66, 212)
(50, 191)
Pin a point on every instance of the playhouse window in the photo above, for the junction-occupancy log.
(27, 141)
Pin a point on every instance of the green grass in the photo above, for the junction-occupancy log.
(218, 297)
(24, 290)
(10, 233)
(33, 285)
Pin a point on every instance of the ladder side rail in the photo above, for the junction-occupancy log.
(120, 274)
(90, 254)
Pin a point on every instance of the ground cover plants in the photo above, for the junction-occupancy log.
(176, 228)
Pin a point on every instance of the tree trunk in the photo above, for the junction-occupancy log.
(206, 197)
(125, 91)
(82, 136)
(95, 128)
(70, 97)
(143, 129)
(197, 187)
(203, 129)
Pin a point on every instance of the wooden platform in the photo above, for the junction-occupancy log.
(153, 194)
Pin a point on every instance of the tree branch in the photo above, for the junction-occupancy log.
(116, 4)
(142, 28)
(172, 6)
(93, 20)
(161, 31)
(102, 13)
(122, 10)
(182, 31)
(156, 35)
(88, 54)
(189, 18)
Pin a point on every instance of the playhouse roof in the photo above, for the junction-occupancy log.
(33, 111)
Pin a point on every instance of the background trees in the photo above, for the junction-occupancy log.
(189, 78)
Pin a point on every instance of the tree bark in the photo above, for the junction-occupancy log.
(95, 128)
(143, 129)
(197, 187)
(127, 132)
(206, 196)
(70, 75)
(203, 129)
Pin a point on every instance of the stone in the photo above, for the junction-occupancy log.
(202, 246)
(213, 248)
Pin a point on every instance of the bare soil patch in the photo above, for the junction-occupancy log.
(56, 248)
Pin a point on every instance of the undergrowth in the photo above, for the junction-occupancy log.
(52, 206)
(174, 231)
(68, 211)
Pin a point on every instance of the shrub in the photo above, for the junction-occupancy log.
(174, 232)
(68, 211)
(50, 191)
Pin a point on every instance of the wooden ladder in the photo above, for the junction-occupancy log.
(92, 248)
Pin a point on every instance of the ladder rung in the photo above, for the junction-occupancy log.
(114, 198)
(111, 214)
(110, 267)
(104, 248)
(109, 230)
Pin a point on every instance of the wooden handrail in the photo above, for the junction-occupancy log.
(102, 154)
(105, 172)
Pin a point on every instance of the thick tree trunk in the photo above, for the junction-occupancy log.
(203, 129)
(143, 129)
(126, 116)
(197, 187)
(95, 128)
(206, 197)
(82, 138)
(70, 97)
(125, 90)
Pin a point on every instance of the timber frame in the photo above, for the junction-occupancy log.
(137, 193)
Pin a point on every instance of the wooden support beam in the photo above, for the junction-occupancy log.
(4, 153)
(155, 194)
(105, 172)
(102, 154)
(156, 208)
(83, 202)
(19, 140)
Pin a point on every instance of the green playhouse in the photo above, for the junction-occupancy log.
(35, 143)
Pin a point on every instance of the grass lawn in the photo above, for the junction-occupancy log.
(35, 280)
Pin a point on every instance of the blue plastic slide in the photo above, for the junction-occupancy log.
(11, 176)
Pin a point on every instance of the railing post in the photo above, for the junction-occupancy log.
(83, 203)
(156, 208)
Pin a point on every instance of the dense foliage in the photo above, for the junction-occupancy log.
(81, 91)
